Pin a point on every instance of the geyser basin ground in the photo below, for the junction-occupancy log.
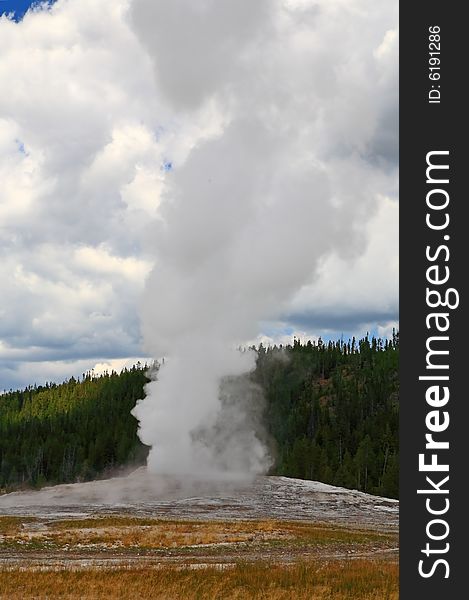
(144, 494)
(147, 536)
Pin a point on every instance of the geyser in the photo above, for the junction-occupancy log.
(203, 416)
(270, 123)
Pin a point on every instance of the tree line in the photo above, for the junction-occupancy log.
(333, 412)
(332, 415)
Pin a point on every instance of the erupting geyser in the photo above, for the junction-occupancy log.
(267, 182)
(203, 417)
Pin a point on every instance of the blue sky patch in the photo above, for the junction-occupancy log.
(18, 7)
(21, 147)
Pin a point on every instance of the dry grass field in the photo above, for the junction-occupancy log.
(338, 580)
(144, 558)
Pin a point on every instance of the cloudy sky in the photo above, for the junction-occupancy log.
(110, 108)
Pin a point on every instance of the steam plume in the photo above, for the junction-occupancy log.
(259, 198)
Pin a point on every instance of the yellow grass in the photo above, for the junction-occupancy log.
(12, 525)
(350, 580)
(249, 559)
(124, 532)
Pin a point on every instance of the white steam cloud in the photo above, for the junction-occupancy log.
(285, 104)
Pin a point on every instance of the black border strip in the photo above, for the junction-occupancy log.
(439, 125)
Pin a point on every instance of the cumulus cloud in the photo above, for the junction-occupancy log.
(112, 113)
(79, 159)
(355, 294)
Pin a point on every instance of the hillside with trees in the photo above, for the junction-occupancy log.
(332, 414)
(75, 431)
(333, 411)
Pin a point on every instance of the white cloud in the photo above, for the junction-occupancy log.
(354, 289)
(118, 364)
(279, 338)
(99, 96)
(99, 260)
(80, 158)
